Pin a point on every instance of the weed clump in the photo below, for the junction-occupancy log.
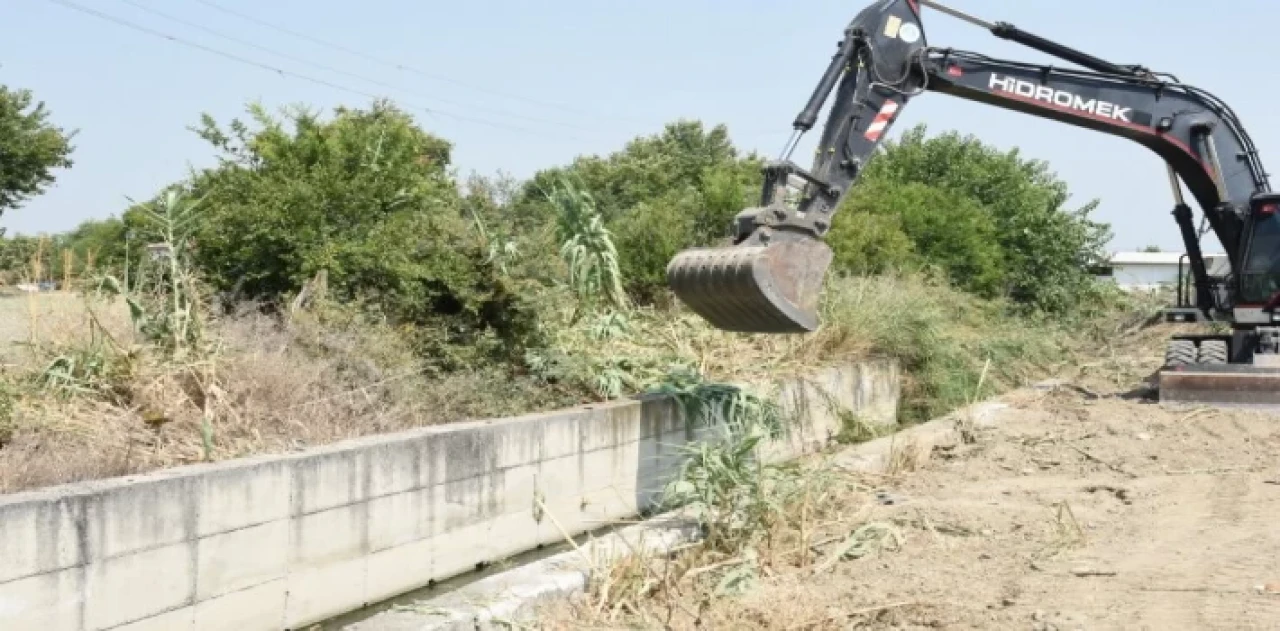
(759, 520)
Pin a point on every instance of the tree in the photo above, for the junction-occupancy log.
(100, 241)
(885, 225)
(30, 148)
(658, 194)
(366, 197)
(16, 255)
(1046, 247)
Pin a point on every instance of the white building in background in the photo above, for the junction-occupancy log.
(159, 251)
(1151, 270)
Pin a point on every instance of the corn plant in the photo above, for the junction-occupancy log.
(587, 247)
(165, 303)
(738, 499)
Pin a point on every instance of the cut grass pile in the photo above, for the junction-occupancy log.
(945, 340)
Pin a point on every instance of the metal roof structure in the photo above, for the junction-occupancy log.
(1151, 258)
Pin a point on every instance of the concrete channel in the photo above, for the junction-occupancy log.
(290, 541)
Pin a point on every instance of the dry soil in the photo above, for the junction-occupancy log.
(1076, 512)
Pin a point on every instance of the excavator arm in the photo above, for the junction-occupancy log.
(771, 279)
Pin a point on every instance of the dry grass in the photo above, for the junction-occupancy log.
(953, 347)
(267, 388)
(762, 524)
(776, 558)
(905, 455)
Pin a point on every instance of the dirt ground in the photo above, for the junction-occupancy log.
(1075, 513)
(1087, 506)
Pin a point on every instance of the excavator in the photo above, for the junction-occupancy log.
(769, 279)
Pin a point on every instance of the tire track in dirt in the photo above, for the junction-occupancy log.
(1248, 541)
(1189, 564)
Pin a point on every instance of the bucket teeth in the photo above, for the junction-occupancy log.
(753, 288)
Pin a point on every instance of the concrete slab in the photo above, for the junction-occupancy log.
(280, 541)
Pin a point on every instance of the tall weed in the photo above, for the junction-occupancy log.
(586, 246)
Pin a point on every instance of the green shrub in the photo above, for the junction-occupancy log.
(942, 337)
(1046, 247)
(648, 236)
(912, 226)
(367, 198)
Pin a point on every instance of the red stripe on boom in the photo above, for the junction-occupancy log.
(882, 120)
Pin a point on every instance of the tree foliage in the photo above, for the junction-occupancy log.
(914, 226)
(96, 245)
(658, 194)
(16, 255)
(368, 198)
(1044, 247)
(99, 245)
(30, 148)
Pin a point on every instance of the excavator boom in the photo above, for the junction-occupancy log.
(770, 280)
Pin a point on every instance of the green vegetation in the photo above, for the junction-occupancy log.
(30, 148)
(658, 195)
(366, 198)
(331, 277)
(998, 223)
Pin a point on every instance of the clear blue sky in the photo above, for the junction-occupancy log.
(624, 68)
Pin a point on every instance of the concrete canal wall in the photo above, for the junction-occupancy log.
(281, 542)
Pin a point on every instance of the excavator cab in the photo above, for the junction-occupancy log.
(1260, 272)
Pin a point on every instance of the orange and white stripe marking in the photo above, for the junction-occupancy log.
(882, 120)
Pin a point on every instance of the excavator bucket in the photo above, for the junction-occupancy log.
(770, 283)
